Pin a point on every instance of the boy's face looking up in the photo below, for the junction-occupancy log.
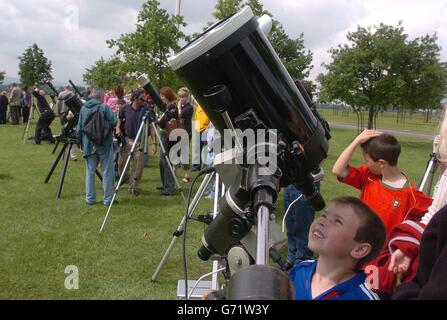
(332, 235)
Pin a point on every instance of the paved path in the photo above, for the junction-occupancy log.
(396, 132)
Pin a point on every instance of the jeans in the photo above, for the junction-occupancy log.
(135, 168)
(298, 221)
(26, 111)
(108, 176)
(165, 173)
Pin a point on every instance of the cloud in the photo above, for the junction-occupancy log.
(49, 23)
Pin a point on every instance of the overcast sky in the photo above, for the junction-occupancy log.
(72, 33)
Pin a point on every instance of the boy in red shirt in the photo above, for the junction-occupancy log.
(386, 190)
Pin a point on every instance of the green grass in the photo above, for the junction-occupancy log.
(385, 120)
(41, 236)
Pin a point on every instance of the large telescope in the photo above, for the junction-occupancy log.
(239, 80)
(236, 54)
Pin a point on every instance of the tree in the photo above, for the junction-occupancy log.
(34, 67)
(380, 68)
(147, 49)
(291, 51)
(225, 8)
(424, 76)
(2, 76)
(108, 74)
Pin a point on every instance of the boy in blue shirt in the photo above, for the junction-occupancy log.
(347, 235)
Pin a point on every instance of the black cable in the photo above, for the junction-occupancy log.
(185, 270)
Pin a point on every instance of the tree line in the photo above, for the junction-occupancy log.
(378, 67)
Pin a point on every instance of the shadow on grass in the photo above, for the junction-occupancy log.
(5, 176)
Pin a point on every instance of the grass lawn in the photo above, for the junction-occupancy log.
(41, 236)
(385, 120)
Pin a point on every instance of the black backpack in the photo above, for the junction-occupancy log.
(96, 127)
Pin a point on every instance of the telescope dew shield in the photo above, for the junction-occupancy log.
(73, 103)
(236, 53)
(149, 88)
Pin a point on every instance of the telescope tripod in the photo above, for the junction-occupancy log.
(197, 289)
(25, 132)
(68, 143)
(179, 231)
(429, 174)
(143, 132)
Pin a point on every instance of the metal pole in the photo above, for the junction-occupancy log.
(214, 283)
(27, 124)
(56, 162)
(56, 145)
(179, 231)
(140, 130)
(262, 235)
(177, 7)
(430, 170)
(163, 152)
(64, 171)
(146, 133)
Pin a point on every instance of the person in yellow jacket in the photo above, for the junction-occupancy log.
(201, 122)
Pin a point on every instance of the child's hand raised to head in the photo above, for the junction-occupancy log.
(366, 135)
(399, 262)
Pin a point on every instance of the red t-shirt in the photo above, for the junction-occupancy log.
(392, 205)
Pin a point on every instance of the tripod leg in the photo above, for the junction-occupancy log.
(55, 163)
(214, 283)
(163, 152)
(428, 169)
(55, 147)
(64, 170)
(26, 128)
(146, 134)
(432, 175)
(140, 130)
(98, 175)
(179, 231)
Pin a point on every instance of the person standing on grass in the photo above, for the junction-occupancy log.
(201, 121)
(86, 94)
(185, 112)
(43, 130)
(129, 121)
(95, 154)
(27, 102)
(3, 107)
(15, 103)
(65, 115)
(167, 95)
